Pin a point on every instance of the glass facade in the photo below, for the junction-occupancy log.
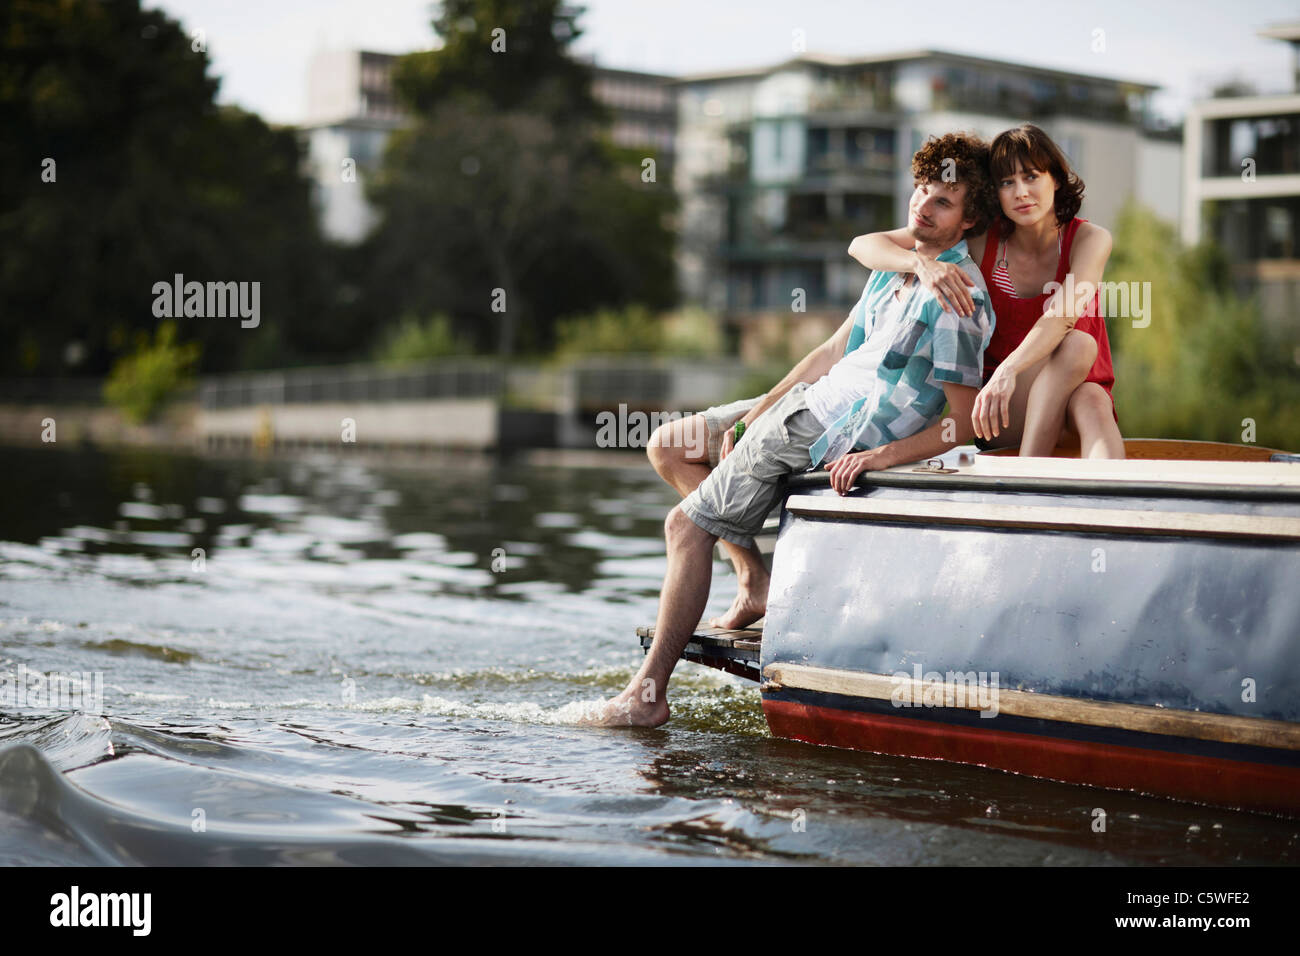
(1272, 142)
(1254, 229)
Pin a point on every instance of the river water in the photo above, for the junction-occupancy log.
(349, 660)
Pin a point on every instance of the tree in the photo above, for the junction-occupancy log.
(497, 183)
(515, 53)
(117, 171)
(1204, 364)
(506, 180)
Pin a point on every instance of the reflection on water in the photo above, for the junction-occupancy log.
(329, 661)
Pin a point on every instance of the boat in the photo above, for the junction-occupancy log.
(1126, 624)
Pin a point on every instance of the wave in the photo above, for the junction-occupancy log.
(154, 811)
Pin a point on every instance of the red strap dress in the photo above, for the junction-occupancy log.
(1016, 316)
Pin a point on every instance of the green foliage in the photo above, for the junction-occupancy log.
(140, 383)
(506, 180)
(149, 178)
(413, 340)
(758, 379)
(693, 331)
(637, 330)
(633, 330)
(534, 69)
(1204, 364)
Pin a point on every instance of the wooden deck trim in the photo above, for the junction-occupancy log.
(1108, 487)
(1160, 449)
(1252, 731)
(1049, 518)
(1199, 471)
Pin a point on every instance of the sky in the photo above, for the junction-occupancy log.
(260, 48)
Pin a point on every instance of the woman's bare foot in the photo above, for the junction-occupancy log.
(628, 709)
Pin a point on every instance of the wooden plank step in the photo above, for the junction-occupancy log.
(735, 651)
(747, 638)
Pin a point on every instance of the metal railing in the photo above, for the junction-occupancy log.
(463, 378)
(647, 381)
(53, 391)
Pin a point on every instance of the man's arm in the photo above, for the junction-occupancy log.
(894, 251)
(924, 444)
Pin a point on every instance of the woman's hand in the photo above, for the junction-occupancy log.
(949, 284)
(845, 469)
(992, 411)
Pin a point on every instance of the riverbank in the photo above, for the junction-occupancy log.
(466, 405)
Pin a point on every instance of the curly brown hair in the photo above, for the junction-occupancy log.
(970, 157)
(1035, 151)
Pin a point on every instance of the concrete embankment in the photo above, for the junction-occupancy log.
(471, 404)
(472, 424)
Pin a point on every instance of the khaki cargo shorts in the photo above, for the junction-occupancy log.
(735, 498)
(722, 418)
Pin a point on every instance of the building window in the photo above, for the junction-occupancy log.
(1272, 143)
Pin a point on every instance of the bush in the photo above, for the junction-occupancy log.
(1204, 365)
(413, 340)
(636, 330)
(758, 379)
(694, 332)
(141, 382)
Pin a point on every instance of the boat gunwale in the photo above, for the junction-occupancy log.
(1034, 483)
(968, 469)
(1004, 516)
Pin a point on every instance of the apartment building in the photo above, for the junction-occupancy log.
(1241, 169)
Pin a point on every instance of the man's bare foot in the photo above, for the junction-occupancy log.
(750, 604)
(627, 710)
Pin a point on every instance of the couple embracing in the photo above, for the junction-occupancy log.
(966, 308)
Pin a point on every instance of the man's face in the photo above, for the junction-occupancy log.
(934, 212)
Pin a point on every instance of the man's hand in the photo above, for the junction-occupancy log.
(728, 444)
(847, 468)
(992, 411)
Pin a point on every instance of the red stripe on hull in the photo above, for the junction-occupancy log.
(1211, 780)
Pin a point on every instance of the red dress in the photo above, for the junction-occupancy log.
(1015, 316)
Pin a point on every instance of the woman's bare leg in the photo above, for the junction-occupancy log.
(1009, 437)
(679, 453)
(1090, 414)
(1064, 371)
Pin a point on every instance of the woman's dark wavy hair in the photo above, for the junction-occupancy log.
(970, 165)
(1036, 151)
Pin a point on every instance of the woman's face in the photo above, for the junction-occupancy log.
(1027, 195)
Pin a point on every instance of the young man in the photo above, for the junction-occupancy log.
(879, 385)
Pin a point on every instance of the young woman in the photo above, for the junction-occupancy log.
(1048, 367)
